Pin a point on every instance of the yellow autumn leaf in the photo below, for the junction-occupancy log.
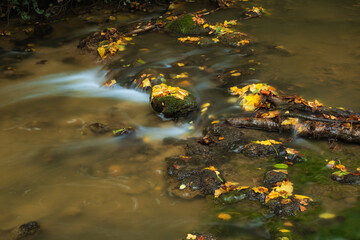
(284, 188)
(291, 151)
(191, 237)
(236, 74)
(267, 142)
(218, 192)
(260, 189)
(251, 102)
(327, 215)
(301, 197)
(290, 121)
(272, 195)
(182, 75)
(215, 121)
(205, 105)
(112, 18)
(224, 216)
(180, 64)
(101, 50)
(146, 83)
(110, 83)
(270, 114)
(284, 230)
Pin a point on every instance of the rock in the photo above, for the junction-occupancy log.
(173, 102)
(25, 231)
(350, 178)
(185, 25)
(42, 30)
(99, 128)
(289, 209)
(274, 176)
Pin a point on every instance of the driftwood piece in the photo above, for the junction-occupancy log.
(308, 129)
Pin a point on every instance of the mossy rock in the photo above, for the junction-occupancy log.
(185, 25)
(173, 107)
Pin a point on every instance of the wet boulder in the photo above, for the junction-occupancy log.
(172, 102)
(274, 176)
(290, 208)
(185, 25)
(352, 178)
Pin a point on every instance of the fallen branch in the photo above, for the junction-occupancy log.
(308, 129)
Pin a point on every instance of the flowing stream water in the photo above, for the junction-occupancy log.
(79, 185)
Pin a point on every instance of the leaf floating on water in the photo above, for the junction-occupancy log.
(327, 215)
(224, 216)
(139, 60)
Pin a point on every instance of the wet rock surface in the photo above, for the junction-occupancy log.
(25, 231)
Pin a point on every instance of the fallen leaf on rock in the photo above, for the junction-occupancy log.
(290, 121)
(267, 142)
(251, 102)
(270, 114)
(191, 236)
(260, 189)
(110, 83)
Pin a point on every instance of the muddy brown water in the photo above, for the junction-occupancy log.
(83, 186)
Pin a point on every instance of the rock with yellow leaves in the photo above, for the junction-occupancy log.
(172, 102)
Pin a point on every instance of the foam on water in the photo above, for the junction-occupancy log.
(81, 84)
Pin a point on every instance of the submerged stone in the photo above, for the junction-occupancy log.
(25, 231)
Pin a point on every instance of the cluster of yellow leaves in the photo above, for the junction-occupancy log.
(163, 90)
(268, 142)
(198, 20)
(113, 47)
(189, 39)
(257, 10)
(5, 33)
(243, 42)
(314, 105)
(283, 189)
(227, 187)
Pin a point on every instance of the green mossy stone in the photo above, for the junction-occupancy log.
(185, 25)
(173, 107)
